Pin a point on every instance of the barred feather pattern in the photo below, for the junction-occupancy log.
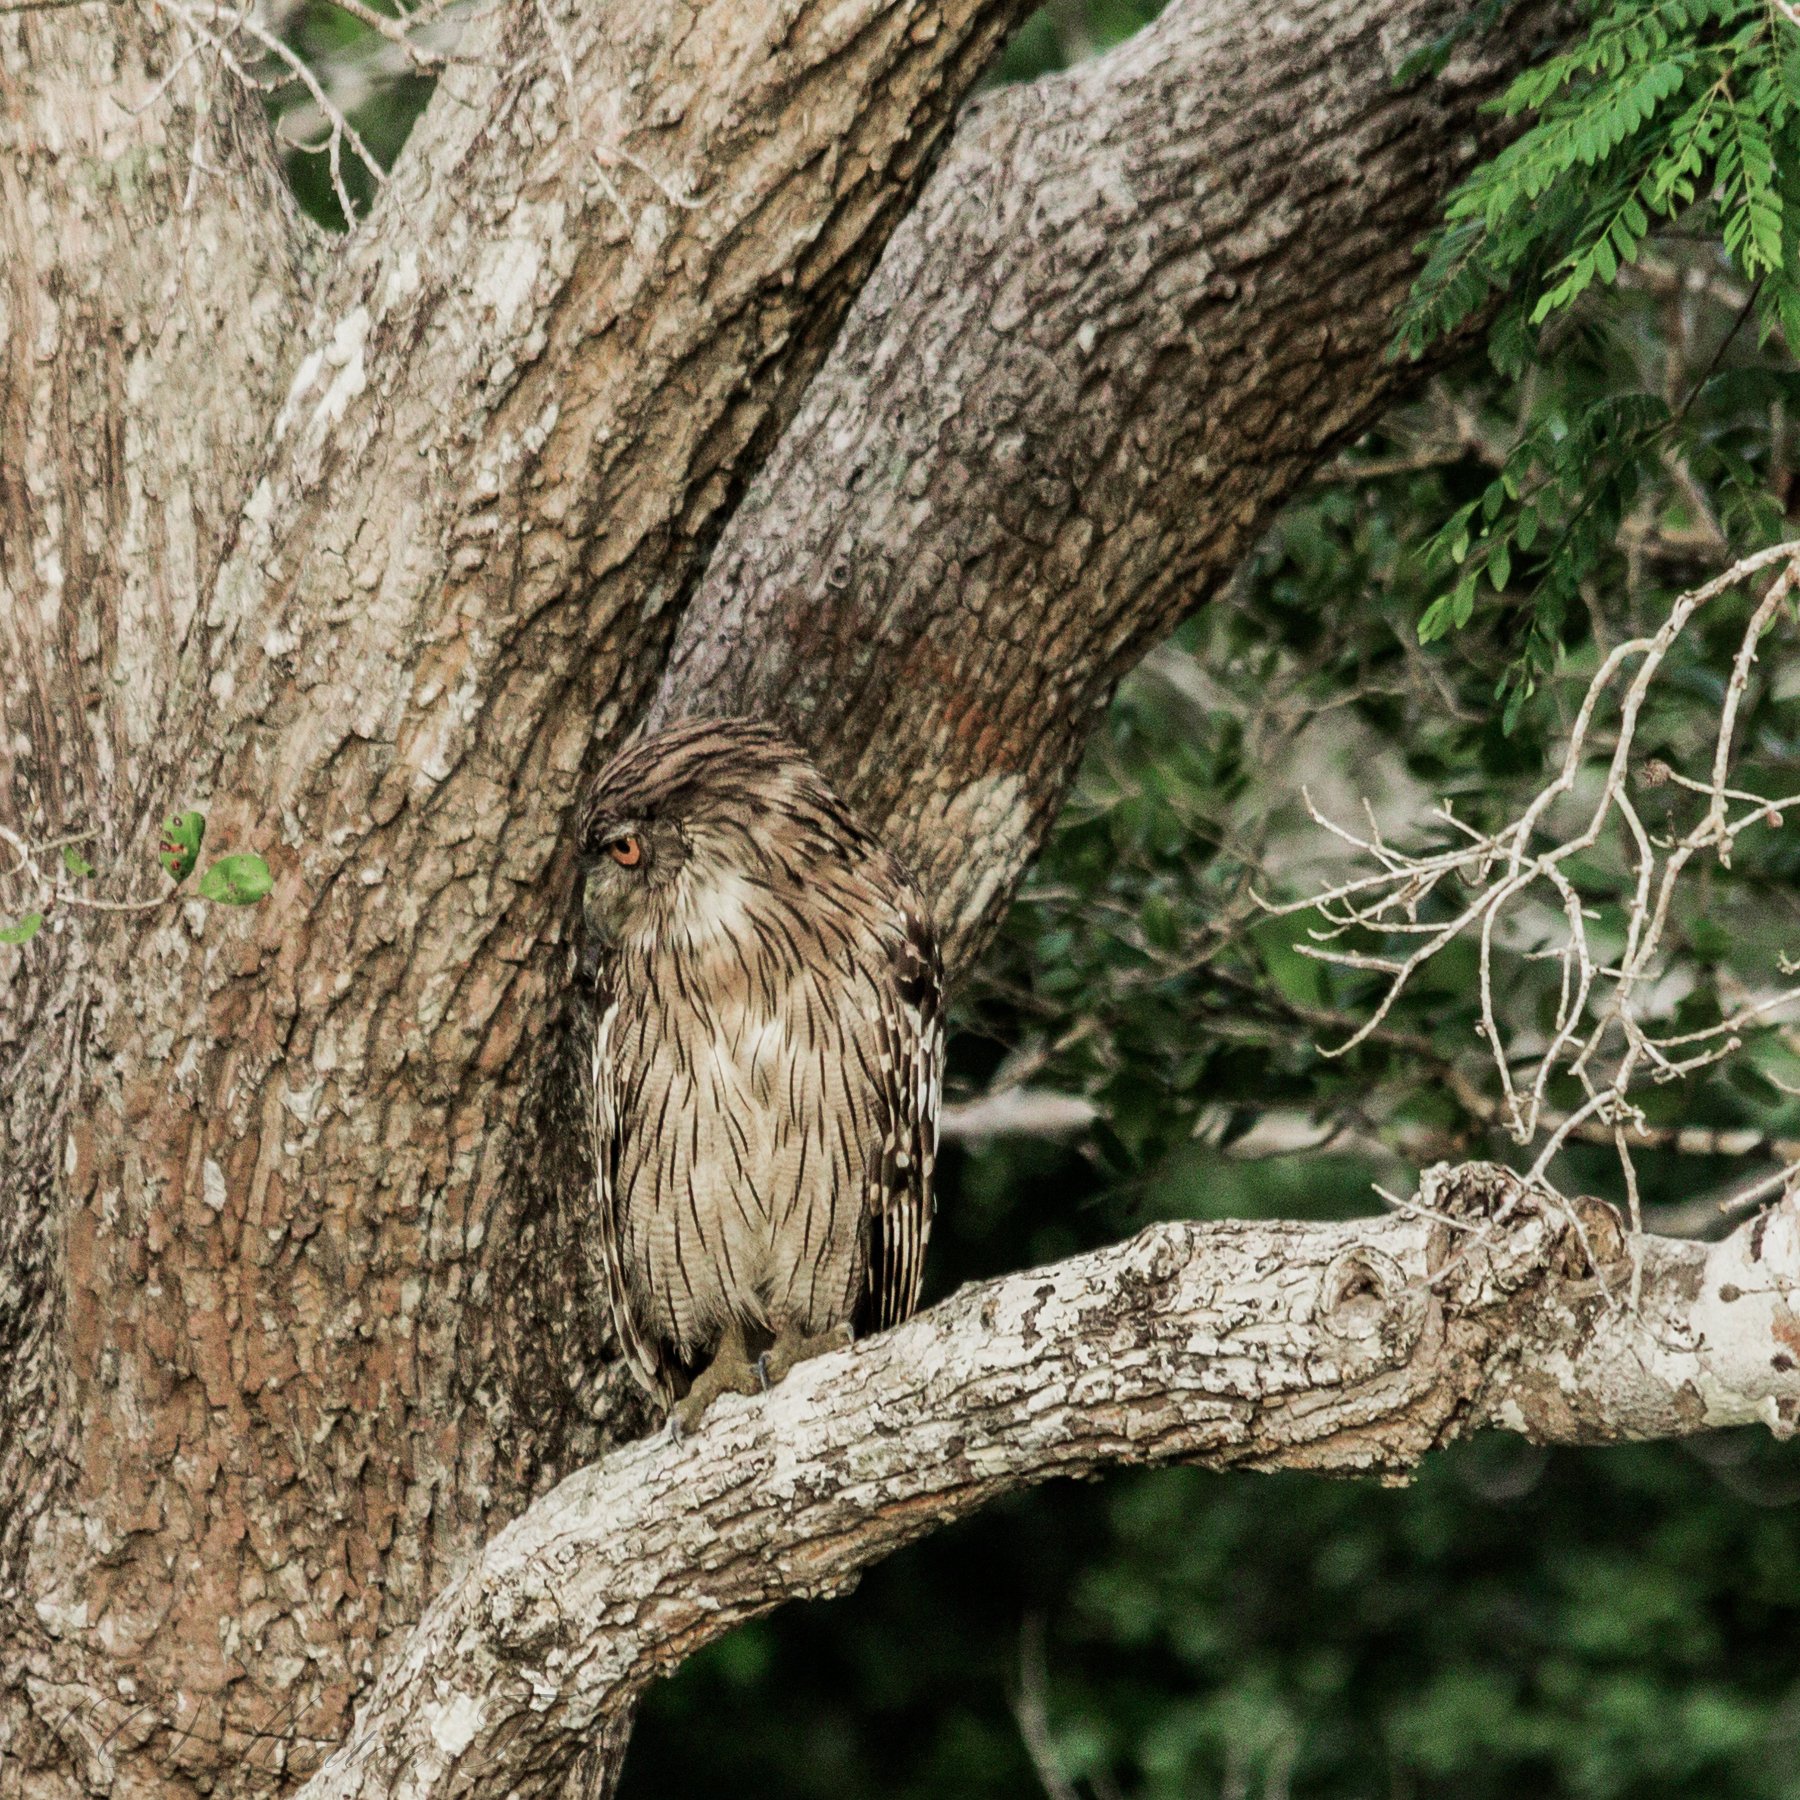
(767, 1054)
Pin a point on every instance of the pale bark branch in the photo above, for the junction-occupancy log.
(1352, 1348)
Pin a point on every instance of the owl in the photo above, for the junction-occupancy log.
(766, 1057)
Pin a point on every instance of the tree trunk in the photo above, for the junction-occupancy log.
(370, 548)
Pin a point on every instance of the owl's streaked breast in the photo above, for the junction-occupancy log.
(747, 1200)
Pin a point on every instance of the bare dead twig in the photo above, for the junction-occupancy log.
(1601, 1036)
(244, 41)
(1032, 1711)
(605, 152)
(48, 889)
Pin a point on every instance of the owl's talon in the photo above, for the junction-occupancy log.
(730, 1372)
(794, 1346)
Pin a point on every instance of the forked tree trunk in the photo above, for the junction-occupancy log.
(370, 548)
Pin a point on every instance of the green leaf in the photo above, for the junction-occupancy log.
(75, 862)
(1517, 695)
(24, 931)
(1462, 599)
(180, 847)
(236, 880)
(1434, 622)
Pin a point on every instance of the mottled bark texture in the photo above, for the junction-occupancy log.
(1353, 1348)
(369, 548)
(1134, 306)
(362, 548)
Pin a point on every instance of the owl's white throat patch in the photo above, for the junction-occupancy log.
(711, 907)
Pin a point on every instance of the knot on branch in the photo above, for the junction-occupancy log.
(1494, 1231)
(1593, 1241)
(1499, 1231)
(1473, 1191)
(1366, 1298)
(523, 1616)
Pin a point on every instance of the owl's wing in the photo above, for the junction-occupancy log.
(898, 1202)
(606, 1136)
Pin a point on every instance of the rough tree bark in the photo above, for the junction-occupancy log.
(370, 548)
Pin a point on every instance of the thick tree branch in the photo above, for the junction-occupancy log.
(616, 247)
(1354, 1348)
(1131, 310)
(443, 536)
(133, 392)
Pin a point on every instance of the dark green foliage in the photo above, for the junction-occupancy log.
(1139, 968)
(1670, 114)
(1665, 103)
(1573, 1625)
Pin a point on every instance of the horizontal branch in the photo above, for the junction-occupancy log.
(1016, 1112)
(1354, 1348)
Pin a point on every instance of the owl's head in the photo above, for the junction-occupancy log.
(684, 826)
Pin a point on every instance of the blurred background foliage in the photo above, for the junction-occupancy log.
(1616, 426)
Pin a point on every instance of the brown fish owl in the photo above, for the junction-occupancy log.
(766, 1061)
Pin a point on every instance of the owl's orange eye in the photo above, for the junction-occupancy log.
(627, 852)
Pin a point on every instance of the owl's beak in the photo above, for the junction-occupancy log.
(588, 958)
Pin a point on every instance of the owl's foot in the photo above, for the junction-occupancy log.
(794, 1346)
(730, 1372)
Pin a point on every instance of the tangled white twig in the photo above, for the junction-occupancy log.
(605, 153)
(1600, 1036)
(243, 41)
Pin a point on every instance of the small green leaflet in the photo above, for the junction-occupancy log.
(75, 862)
(1665, 101)
(24, 931)
(180, 846)
(236, 880)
